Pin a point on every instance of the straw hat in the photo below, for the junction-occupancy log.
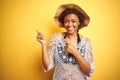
(63, 7)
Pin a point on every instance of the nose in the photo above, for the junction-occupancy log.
(70, 23)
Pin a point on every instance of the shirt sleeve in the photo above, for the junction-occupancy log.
(51, 52)
(89, 56)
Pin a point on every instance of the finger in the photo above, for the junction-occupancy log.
(39, 40)
(39, 37)
(37, 31)
(63, 39)
(68, 41)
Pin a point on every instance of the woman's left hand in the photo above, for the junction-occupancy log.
(70, 48)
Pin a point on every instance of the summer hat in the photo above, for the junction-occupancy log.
(75, 7)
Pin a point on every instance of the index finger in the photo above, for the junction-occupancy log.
(37, 31)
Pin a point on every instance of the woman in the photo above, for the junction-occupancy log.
(69, 52)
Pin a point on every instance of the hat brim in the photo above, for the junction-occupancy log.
(71, 6)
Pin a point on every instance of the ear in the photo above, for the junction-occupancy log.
(78, 23)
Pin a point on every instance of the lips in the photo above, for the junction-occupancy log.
(70, 28)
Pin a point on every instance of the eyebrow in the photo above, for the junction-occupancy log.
(71, 19)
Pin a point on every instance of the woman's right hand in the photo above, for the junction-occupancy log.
(41, 38)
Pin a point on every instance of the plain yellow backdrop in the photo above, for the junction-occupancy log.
(20, 53)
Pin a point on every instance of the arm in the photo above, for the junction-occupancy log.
(84, 63)
(45, 59)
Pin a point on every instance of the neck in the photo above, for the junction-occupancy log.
(73, 35)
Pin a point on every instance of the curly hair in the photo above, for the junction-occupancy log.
(71, 11)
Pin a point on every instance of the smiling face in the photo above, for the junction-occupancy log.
(71, 23)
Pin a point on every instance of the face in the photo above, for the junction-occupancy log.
(71, 23)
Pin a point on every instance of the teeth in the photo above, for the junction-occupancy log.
(70, 28)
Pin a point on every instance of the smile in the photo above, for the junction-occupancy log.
(70, 28)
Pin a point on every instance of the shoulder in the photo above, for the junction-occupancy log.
(85, 39)
(56, 36)
(88, 42)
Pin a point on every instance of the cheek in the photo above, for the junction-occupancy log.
(76, 25)
(65, 25)
(76, 28)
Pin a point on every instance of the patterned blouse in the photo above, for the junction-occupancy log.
(66, 66)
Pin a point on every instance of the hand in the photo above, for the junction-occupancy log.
(41, 38)
(70, 48)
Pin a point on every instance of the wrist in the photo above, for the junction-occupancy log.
(76, 52)
(44, 44)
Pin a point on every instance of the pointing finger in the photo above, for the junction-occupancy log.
(37, 31)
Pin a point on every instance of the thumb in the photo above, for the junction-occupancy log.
(63, 39)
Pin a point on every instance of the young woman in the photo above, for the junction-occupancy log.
(69, 52)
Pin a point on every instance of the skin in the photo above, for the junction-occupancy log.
(71, 23)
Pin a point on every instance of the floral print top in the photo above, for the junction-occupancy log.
(66, 66)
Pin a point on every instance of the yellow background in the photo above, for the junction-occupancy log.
(20, 53)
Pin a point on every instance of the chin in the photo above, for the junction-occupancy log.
(70, 32)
